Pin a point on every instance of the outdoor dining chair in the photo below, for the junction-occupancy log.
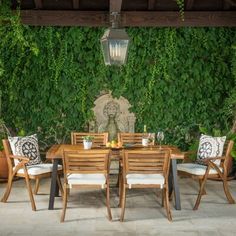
(86, 169)
(99, 138)
(129, 140)
(18, 167)
(133, 138)
(146, 169)
(213, 167)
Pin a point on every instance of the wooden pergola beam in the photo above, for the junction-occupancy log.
(129, 18)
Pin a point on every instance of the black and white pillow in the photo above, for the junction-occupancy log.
(210, 147)
(26, 146)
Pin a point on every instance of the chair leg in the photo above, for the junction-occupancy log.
(120, 191)
(30, 192)
(120, 182)
(36, 188)
(171, 195)
(227, 192)
(200, 183)
(64, 203)
(162, 198)
(108, 201)
(167, 203)
(203, 183)
(119, 176)
(60, 185)
(123, 203)
(8, 189)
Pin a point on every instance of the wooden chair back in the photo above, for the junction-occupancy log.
(92, 161)
(225, 163)
(127, 138)
(13, 169)
(147, 161)
(155, 161)
(99, 138)
(228, 162)
(86, 162)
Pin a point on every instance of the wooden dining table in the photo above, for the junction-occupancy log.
(55, 154)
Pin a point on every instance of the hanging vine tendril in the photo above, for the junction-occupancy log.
(180, 4)
(168, 84)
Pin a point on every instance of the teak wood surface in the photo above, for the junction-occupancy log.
(56, 151)
(13, 172)
(155, 161)
(98, 138)
(91, 161)
(126, 138)
(220, 175)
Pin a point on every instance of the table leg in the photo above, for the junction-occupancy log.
(54, 190)
(170, 182)
(175, 184)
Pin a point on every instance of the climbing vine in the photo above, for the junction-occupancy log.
(180, 4)
(175, 79)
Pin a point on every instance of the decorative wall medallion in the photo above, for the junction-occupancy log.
(112, 115)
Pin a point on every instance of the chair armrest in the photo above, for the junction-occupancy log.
(47, 161)
(187, 158)
(212, 159)
(20, 158)
(189, 153)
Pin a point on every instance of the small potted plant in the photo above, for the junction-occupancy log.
(88, 141)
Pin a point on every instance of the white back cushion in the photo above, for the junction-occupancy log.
(210, 147)
(26, 146)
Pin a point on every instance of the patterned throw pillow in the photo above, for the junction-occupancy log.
(26, 146)
(210, 147)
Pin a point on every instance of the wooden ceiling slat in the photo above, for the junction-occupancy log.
(38, 4)
(129, 18)
(189, 4)
(76, 4)
(231, 2)
(151, 4)
(115, 5)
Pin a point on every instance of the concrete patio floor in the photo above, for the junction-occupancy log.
(86, 213)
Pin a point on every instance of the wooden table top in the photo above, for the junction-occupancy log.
(56, 151)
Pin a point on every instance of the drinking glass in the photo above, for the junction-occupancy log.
(151, 139)
(160, 137)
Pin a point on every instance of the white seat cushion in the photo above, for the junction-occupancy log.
(195, 169)
(39, 169)
(93, 179)
(145, 179)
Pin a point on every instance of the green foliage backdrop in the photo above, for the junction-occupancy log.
(174, 79)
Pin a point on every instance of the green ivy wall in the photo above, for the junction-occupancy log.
(175, 79)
